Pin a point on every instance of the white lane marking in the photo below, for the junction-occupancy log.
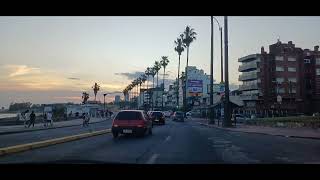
(167, 139)
(152, 159)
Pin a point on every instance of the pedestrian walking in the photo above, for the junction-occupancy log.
(32, 119)
(86, 119)
(49, 118)
(45, 117)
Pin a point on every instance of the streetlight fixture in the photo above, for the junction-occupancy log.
(221, 49)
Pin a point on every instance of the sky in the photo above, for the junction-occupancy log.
(55, 59)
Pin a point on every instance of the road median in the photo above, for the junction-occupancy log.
(45, 143)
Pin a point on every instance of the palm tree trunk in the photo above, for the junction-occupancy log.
(140, 94)
(153, 82)
(186, 82)
(157, 79)
(164, 72)
(178, 83)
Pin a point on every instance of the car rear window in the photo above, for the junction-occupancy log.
(157, 114)
(129, 115)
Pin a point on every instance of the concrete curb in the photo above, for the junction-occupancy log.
(35, 145)
(54, 127)
(316, 138)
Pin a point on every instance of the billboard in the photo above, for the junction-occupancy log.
(195, 87)
(217, 88)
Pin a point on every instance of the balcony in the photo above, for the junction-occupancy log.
(248, 76)
(248, 58)
(248, 87)
(248, 66)
(249, 97)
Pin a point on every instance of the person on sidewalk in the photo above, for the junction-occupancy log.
(49, 118)
(86, 119)
(45, 117)
(32, 119)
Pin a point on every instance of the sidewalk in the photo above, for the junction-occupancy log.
(285, 132)
(40, 126)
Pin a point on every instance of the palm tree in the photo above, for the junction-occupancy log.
(157, 67)
(164, 62)
(143, 80)
(85, 97)
(153, 73)
(189, 35)
(95, 88)
(179, 49)
(148, 73)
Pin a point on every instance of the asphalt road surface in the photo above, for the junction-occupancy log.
(174, 143)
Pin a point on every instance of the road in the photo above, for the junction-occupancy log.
(174, 143)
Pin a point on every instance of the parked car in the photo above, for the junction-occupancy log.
(131, 122)
(157, 117)
(167, 114)
(240, 118)
(188, 114)
(178, 116)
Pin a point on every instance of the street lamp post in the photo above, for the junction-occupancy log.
(221, 49)
(104, 103)
(211, 75)
(227, 122)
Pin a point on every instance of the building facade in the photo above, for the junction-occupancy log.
(117, 99)
(282, 82)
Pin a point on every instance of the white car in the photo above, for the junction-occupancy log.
(167, 113)
(188, 114)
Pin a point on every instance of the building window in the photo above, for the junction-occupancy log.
(317, 61)
(293, 91)
(279, 58)
(292, 80)
(292, 69)
(291, 59)
(318, 71)
(279, 80)
(279, 69)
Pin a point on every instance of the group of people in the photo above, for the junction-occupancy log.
(30, 118)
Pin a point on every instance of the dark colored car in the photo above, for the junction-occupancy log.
(158, 117)
(178, 116)
(131, 122)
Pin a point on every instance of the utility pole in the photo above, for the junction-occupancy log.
(211, 75)
(227, 112)
(104, 103)
(220, 28)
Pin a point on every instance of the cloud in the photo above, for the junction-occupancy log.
(73, 78)
(131, 76)
(19, 70)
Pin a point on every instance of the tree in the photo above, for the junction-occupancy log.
(153, 73)
(148, 73)
(157, 67)
(179, 49)
(85, 97)
(95, 88)
(188, 36)
(164, 62)
(20, 106)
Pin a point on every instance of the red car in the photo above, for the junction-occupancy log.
(131, 122)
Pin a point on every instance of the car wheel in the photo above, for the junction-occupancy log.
(115, 135)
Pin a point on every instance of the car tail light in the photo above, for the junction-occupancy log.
(115, 125)
(141, 124)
